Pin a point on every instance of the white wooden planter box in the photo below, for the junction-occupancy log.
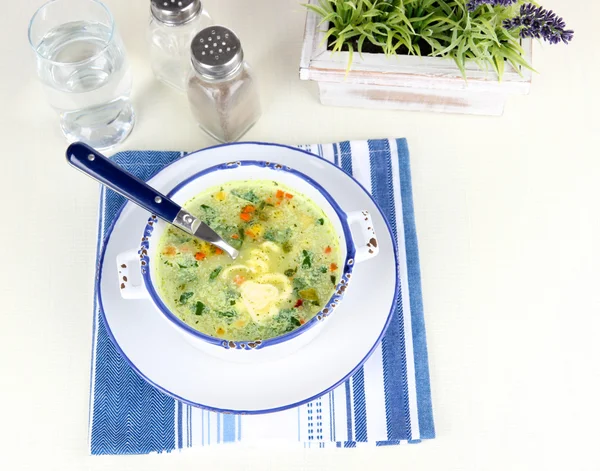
(405, 82)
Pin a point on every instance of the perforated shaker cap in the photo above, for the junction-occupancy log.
(216, 52)
(175, 12)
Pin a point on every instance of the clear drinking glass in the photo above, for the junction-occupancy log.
(81, 63)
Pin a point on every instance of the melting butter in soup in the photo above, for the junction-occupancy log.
(287, 270)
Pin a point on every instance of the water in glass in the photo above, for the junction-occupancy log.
(84, 70)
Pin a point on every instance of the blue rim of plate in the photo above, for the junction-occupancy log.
(235, 411)
(319, 317)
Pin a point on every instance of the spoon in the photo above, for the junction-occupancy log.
(100, 168)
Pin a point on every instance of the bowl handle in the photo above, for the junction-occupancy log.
(370, 247)
(125, 262)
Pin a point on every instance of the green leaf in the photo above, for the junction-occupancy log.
(317, 9)
(215, 273)
(333, 280)
(306, 259)
(455, 41)
(199, 309)
(247, 195)
(293, 323)
(499, 65)
(290, 272)
(515, 58)
(278, 236)
(461, 66)
(321, 221)
(264, 204)
(209, 214)
(227, 314)
(350, 56)
(183, 299)
(310, 294)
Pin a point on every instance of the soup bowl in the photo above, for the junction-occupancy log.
(357, 242)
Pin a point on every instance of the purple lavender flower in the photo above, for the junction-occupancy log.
(537, 22)
(473, 5)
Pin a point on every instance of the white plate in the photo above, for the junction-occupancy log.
(159, 354)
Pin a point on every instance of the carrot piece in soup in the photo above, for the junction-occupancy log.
(170, 251)
(238, 279)
(200, 256)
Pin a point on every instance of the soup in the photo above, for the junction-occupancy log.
(287, 270)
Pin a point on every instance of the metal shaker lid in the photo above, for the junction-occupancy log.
(175, 12)
(216, 52)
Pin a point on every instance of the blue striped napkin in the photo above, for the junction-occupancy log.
(386, 402)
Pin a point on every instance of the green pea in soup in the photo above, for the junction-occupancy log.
(287, 270)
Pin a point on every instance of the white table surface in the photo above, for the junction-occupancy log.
(508, 224)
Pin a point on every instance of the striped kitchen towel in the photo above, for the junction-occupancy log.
(386, 402)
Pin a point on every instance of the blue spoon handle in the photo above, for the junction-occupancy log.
(100, 168)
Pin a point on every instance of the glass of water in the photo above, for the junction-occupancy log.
(81, 63)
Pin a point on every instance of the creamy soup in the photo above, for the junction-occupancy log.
(287, 270)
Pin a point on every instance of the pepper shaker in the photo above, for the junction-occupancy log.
(221, 89)
(173, 24)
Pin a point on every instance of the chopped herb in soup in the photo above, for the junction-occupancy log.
(286, 271)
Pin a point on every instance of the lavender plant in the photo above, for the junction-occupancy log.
(488, 32)
(536, 22)
(474, 4)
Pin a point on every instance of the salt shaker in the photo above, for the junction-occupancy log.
(173, 25)
(221, 88)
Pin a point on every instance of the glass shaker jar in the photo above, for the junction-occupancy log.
(221, 88)
(173, 25)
